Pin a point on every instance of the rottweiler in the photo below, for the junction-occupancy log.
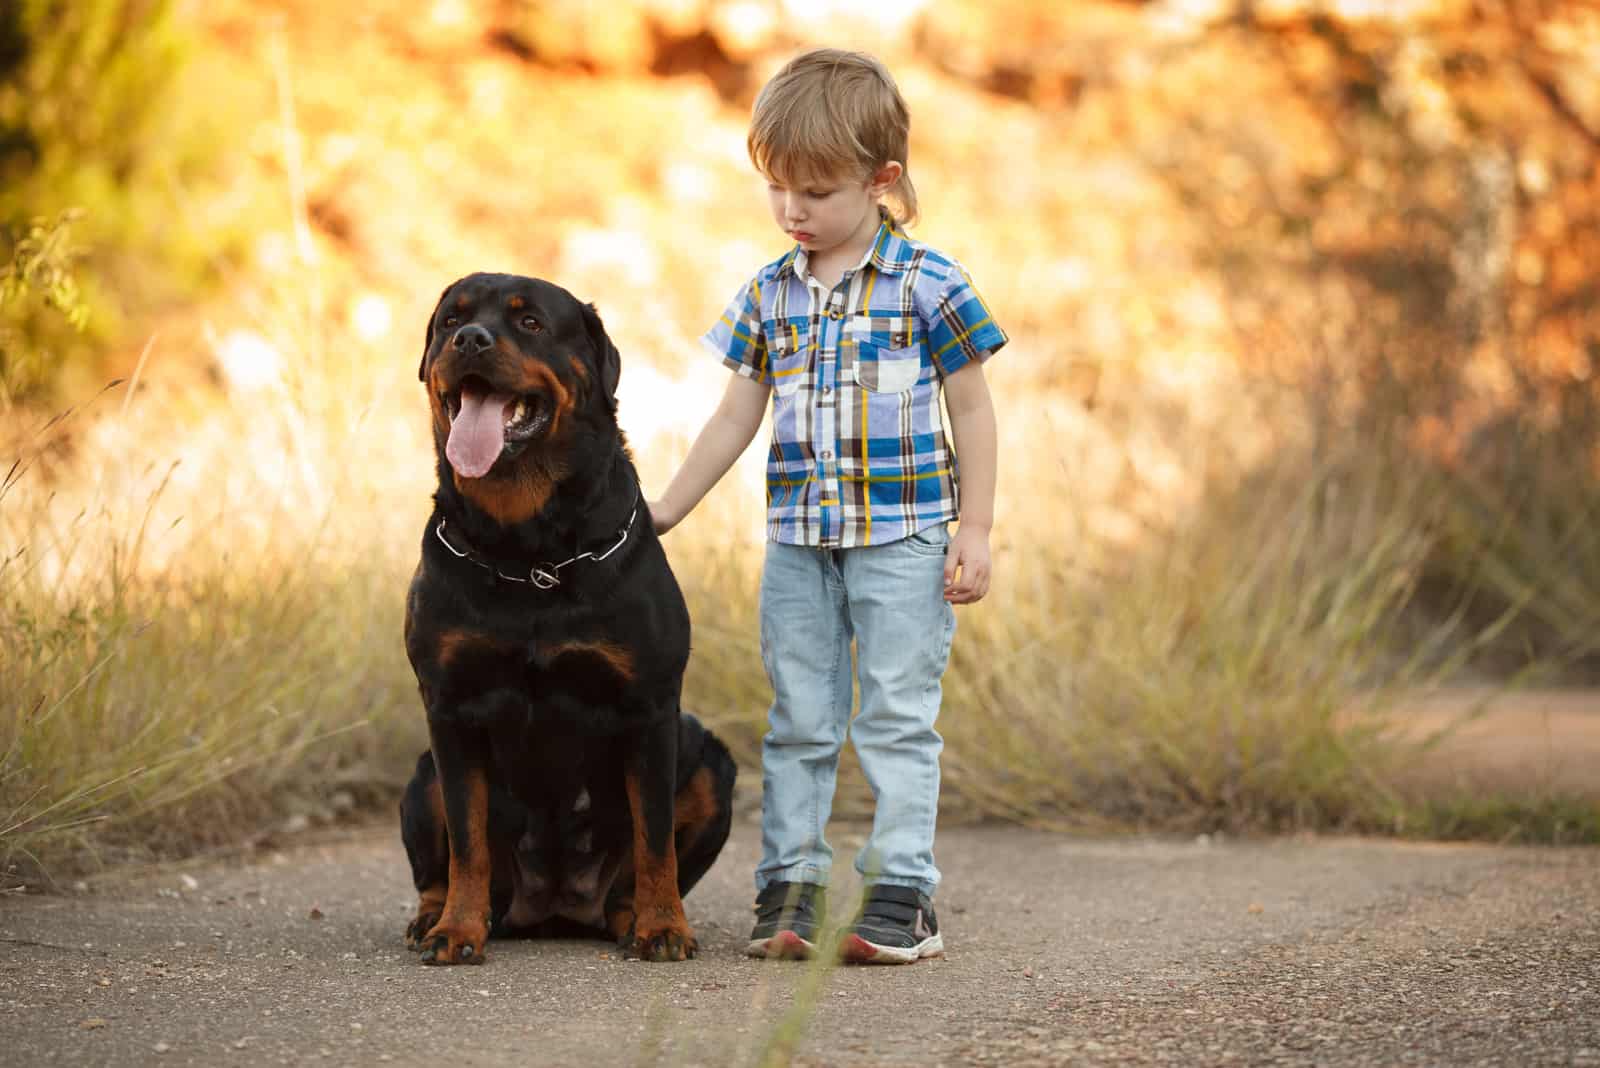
(564, 790)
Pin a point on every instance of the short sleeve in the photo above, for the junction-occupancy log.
(960, 326)
(737, 337)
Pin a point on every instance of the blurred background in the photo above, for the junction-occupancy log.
(1300, 430)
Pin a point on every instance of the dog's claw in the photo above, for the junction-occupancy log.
(441, 947)
(664, 947)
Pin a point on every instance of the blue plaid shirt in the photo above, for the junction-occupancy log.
(859, 451)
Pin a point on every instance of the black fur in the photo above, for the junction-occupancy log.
(555, 696)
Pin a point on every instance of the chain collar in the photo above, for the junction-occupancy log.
(545, 576)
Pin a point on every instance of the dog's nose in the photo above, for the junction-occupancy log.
(472, 339)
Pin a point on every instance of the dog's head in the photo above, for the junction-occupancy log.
(520, 374)
(522, 382)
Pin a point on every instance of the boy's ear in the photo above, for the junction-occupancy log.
(885, 177)
(605, 353)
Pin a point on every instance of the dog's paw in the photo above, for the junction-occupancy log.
(673, 943)
(424, 921)
(454, 944)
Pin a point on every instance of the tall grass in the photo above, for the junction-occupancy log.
(200, 632)
(1208, 679)
(1524, 528)
(162, 712)
(200, 617)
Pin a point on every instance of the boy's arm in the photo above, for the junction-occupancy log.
(721, 440)
(972, 424)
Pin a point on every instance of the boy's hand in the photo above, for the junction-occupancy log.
(661, 517)
(969, 555)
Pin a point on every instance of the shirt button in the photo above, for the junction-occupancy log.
(826, 390)
(833, 313)
(827, 454)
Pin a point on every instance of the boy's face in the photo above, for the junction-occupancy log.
(830, 214)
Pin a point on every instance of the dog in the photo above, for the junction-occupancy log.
(564, 790)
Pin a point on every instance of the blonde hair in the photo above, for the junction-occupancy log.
(830, 113)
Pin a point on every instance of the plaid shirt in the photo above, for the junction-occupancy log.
(859, 451)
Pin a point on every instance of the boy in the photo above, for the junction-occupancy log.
(853, 332)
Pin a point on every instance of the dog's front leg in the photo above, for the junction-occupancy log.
(660, 929)
(461, 756)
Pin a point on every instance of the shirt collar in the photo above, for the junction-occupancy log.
(890, 253)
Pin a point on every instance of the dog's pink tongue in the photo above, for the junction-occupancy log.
(478, 433)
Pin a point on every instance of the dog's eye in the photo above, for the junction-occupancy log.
(451, 320)
(532, 324)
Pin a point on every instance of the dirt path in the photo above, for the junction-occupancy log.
(1062, 950)
(1536, 741)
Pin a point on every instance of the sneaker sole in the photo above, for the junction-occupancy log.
(857, 950)
(785, 945)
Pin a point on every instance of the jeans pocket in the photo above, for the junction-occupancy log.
(930, 541)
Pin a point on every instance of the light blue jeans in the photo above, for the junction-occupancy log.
(890, 599)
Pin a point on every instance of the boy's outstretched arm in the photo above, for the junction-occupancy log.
(972, 424)
(721, 440)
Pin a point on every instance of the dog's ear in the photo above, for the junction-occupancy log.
(605, 353)
(427, 342)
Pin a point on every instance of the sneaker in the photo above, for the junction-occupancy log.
(897, 926)
(789, 917)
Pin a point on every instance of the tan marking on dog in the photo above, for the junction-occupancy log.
(518, 495)
(465, 919)
(454, 643)
(657, 907)
(510, 499)
(522, 493)
(441, 837)
(696, 803)
(541, 377)
(620, 921)
(617, 658)
(441, 418)
(430, 903)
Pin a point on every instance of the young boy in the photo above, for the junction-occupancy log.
(853, 332)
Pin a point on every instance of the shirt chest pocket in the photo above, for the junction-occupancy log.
(789, 347)
(887, 351)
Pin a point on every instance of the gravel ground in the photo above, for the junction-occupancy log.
(1061, 951)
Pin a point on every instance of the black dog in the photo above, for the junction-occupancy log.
(564, 788)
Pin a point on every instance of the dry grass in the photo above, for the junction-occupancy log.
(204, 638)
(201, 579)
(201, 622)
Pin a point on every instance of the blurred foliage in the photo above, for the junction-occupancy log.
(91, 131)
(1426, 259)
(37, 281)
